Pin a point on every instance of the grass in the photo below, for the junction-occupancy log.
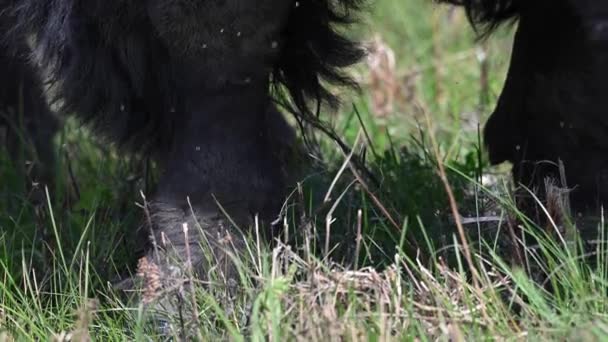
(347, 268)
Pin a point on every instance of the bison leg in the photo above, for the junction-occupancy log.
(552, 112)
(27, 121)
(225, 166)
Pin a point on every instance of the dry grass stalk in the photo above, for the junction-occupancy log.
(384, 85)
(388, 87)
(336, 303)
(81, 332)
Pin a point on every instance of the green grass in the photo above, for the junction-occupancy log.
(59, 258)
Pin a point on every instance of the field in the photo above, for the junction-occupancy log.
(410, 237)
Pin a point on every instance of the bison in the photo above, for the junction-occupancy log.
(194, 84)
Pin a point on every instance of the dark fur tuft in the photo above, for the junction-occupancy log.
(316, 51)
(487, 15)
(108, 71)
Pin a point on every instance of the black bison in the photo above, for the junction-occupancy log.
(554, 104)
(192, 83)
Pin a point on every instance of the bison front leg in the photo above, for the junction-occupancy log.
(550, 121)
(224, 167)
(27, 125)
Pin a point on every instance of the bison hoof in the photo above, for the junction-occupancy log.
(189, 253)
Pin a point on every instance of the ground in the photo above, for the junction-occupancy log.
(372, 249)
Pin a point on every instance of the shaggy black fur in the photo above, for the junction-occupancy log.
(553, 106)
(486, 15)
(109, 58)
